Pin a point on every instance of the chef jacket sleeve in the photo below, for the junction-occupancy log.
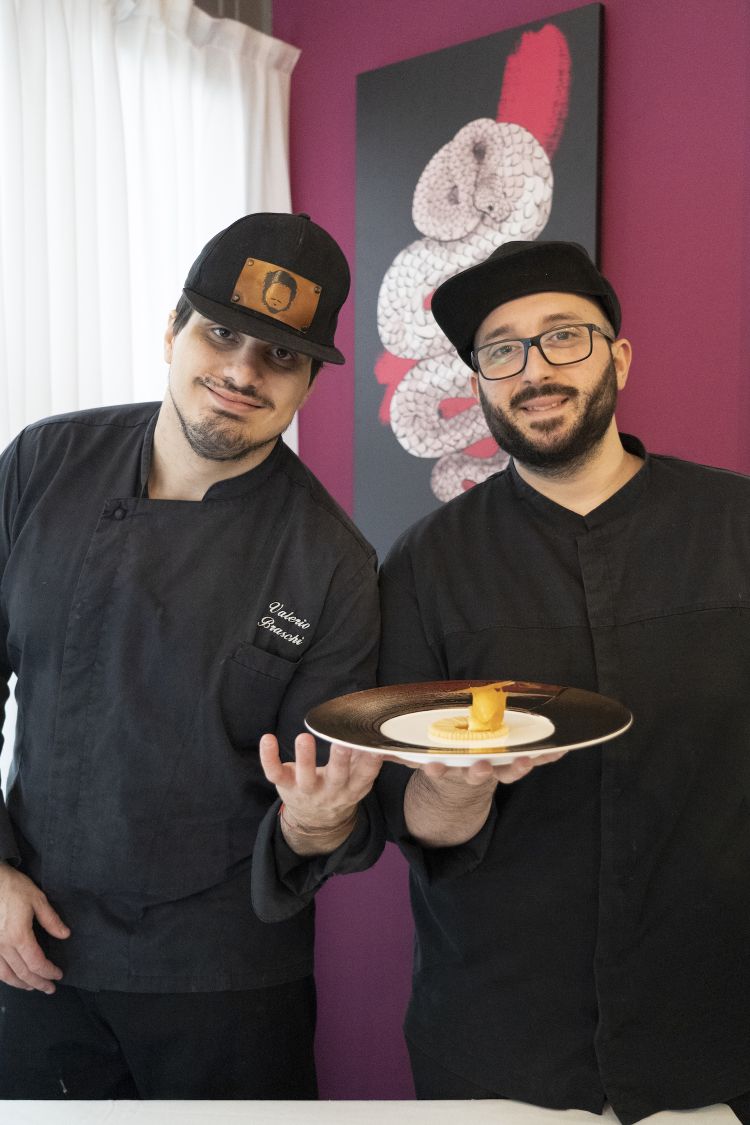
(9, 490)
(284, 882)
(427, 864)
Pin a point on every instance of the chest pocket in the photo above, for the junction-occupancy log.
(252, 688)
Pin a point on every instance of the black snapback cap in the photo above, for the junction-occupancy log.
(277, 277)
(518, 269)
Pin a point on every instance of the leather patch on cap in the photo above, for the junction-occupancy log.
(274, 291)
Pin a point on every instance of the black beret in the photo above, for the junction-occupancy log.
(517, 269)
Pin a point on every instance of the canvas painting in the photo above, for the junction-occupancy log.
(458, 152)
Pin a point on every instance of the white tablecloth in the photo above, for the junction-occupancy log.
(326, 1113)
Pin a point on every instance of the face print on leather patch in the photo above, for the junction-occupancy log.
(274, 291)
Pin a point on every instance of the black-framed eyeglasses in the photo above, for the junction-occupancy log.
(564, 344)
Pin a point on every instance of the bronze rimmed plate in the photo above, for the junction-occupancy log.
(541, 718)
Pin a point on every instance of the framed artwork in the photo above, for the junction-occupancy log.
(458, 152)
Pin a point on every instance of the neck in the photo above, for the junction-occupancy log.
(587, 484)
(178, 473)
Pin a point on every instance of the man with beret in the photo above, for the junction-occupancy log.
(598, 948)
(175, 584)
(583, 935)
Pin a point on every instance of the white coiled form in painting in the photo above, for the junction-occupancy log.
(491, 184)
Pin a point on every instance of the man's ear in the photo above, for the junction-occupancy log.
(622, 354)
(169, 336)
(475, 385)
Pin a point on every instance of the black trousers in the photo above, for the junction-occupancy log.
(432, 1081)
(99, 1045)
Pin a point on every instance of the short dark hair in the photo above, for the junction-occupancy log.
(184, 310)
(182, 313)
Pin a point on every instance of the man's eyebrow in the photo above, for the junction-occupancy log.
(507, 330)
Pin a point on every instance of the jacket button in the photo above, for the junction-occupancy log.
(119, 513)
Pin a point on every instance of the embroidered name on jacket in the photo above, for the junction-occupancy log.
(289, 617)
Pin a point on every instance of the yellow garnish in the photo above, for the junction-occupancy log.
(483, 720)
(487, 706)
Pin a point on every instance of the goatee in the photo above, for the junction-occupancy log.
(217, 439)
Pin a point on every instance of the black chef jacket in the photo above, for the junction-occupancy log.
(597, 945)
(154, 642)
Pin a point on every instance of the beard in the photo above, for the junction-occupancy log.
(217, 438)
(561, 454)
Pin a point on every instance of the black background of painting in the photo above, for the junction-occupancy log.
(405, 113)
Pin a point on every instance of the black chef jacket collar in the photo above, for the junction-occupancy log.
(562, 519)
(228, 489)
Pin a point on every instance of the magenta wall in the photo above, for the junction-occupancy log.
(675, 241)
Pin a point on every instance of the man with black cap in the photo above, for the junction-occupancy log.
(596, 947)
(176, 584)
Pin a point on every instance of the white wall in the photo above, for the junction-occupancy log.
(8, 729)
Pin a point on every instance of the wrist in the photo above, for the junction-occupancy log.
(311, 840)
(453, 792)
(440, 813)
(317, 831)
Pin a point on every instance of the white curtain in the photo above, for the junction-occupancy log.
(131, 131)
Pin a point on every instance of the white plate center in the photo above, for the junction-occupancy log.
(412, 729)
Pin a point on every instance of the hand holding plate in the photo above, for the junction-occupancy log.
(447, 805)
(482, 771)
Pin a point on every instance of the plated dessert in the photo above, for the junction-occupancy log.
(483, 719)
(462, 721)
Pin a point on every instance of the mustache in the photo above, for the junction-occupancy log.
(546, 390)
(227, 385)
